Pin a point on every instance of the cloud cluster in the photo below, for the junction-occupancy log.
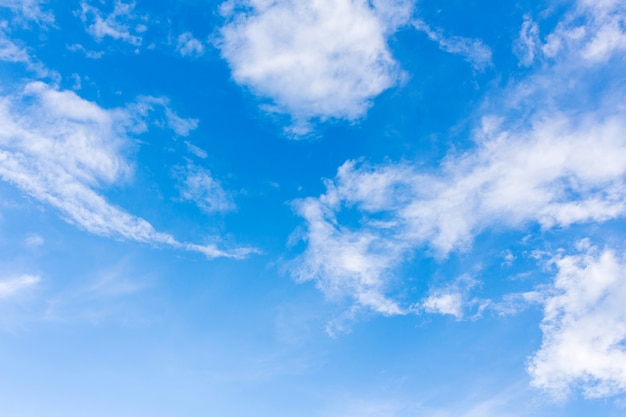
(556, 172)
(550, 150)
(584, 325)
(318, 59)
(62, 150)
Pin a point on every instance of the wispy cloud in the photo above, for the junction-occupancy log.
(584, 325)
(122, 23)
(528, 42)
(61, 149)
(11, 286)
(593, 31)
(28, 10)
(454, 299)
(151, 107)
(10, 51)
(76, 47)
(473, 50)
(323, 59)
(34, 240)
(196, 184)
(187, 45)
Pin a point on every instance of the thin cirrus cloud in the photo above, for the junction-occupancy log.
(313, 60)
(473, 50)
(11, 52)
(62, 149)
(13, 285)
(28, 10)
(197, 185)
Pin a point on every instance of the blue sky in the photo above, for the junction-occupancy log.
(343, 208)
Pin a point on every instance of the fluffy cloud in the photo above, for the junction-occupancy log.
(62, 149)
(593, 31)
(319, 59)
(454, 299)
(584, 326)
(556, 172)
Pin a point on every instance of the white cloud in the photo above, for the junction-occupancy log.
(454, 299)
(584, 326)
(319, 59)
(76, 47)
(555, 172)
(594, 31)
(120, 24)
(14, 285)
(195, 150)
(473, 50)
(187, 45)
(62, 149)
(447, 302)
(528, 42)
(198, 185)
(34, 240)
(28, 10)
(147, 105)
(10, 52)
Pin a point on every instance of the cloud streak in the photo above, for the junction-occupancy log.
(12, 286)
(62, 149)
(473, 50)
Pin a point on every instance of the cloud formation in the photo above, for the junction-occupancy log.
(584, 325)
(187, 45)
(11, 286)
(62, 149)
(28, 10)
(556, 172)
(321, 59)
(197, 185)
(473, 50)
(121, 24)
(550, 150)
(593, 31)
